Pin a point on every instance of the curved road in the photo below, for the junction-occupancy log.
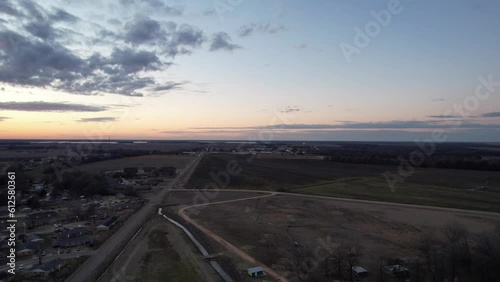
(225, 243)
(269, 271)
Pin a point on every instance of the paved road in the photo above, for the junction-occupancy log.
(128, 229)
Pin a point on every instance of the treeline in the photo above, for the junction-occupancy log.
(80, 183)
(451, 253)
(442, 156)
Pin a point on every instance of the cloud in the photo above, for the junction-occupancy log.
(44, 64)
(438, 100)
(62, 16)
(159, 6)
(188, 35)
(173, 11)
(48, 107)
(3, 118)
(168, 86)
(289, 109)
(42, 30)
(444, 116)
(97, 119)
(8, 9)
(302, 46)
(143, 29)
(222, 41)
(491, 114)
(43, 48)
(247, 30)
(412, 124)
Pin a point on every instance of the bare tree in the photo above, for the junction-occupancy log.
(487, 256)
(457, 247)
(353, 253)
(337, 257)
(425, 244)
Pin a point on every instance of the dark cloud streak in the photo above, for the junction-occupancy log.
(48, 107)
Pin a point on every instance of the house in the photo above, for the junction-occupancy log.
(168, 171)
(71, 233)
(130, 171)
(28, 249)
(107, 223)
(40, 218)
(33, 238)
(112, 182)
(71, 242)
(359, 271)
(48, 267)
(149, 169)
(398, 271)
(126, 205)
(33, 222)
(42, 214)
(255, 271)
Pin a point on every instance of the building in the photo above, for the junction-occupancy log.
(72, 242)
(360, 272)
(255, 271)
(398, 271)
(42, 214)
(71, 233)
(40, 218)
(48, 267)
(28, 249)
(130, 171)
(167, 171)
(107, 223)
(33, 238)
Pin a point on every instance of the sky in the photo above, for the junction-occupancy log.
(371, 70)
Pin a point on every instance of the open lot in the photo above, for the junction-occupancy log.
(177, 161)
(466, 189)
(281, 229)
(160, 253)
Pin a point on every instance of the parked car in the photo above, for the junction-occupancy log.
(44, 253)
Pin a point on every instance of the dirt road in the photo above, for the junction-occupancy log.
(226, 244)
(269, 271)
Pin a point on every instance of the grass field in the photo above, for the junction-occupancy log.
(376, 189)
(435, 187)
(280, 230)
(177, 161)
